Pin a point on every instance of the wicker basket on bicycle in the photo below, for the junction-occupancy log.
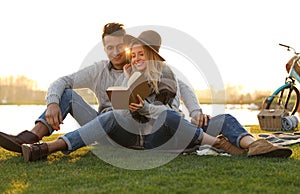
(290, 63)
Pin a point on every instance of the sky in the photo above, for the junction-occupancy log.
(45, 40)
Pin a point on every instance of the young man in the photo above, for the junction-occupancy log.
(61, 99)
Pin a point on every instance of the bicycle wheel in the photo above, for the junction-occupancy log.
(286, 97)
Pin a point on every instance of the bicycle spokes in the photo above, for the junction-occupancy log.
(286, 97)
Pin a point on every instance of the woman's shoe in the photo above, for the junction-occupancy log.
(225, 145)
(264, 148)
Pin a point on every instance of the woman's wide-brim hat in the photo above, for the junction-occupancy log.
(149, 38)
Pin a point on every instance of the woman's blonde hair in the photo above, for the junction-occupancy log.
(154, 67)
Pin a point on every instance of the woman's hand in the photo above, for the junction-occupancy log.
(135, 107)
(200, 119)
(127, 70)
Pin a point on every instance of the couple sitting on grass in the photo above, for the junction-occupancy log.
(152, 123)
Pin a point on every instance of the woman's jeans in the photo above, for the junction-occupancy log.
(224, 124)
(169, 131)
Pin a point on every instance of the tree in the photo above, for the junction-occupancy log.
(20, 89)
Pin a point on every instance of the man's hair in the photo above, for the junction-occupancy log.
(113, 29)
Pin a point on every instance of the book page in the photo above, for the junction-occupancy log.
(133, 77)
(121, 96)
(117, 88)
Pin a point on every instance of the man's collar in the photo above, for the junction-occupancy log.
(110, 66)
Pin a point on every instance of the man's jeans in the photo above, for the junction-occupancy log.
(95, 127)
(72, 103)
(81, 111)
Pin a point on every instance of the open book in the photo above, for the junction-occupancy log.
(121, 96)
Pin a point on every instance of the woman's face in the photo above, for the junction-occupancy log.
(138, 57)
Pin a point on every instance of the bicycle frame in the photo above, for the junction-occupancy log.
(289, 81)
(288, 89)
(287, 84)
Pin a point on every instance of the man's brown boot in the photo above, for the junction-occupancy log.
(34, 152)
(264, 148)
(13, 143)
(225, 145)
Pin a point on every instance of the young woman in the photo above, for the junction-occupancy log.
(154, 123)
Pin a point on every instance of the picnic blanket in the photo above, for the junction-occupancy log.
(207, 150)
(277, 138)
(281, 138)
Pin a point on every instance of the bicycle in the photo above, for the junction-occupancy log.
(287, 95)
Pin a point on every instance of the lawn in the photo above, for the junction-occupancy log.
(83, 172)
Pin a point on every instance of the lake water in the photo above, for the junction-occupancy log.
(15, 119)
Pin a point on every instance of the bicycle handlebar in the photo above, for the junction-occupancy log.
(284, 45)
(288, 48)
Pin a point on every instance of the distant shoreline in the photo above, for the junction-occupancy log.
(43, 103)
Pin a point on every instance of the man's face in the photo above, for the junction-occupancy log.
(115, 50)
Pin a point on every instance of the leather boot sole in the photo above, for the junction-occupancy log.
(9, 144)
(26, 153)
(278, 153)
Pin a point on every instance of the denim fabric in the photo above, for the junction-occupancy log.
(224, 124)
(107, 125)
(228, 126)
(171, 131)
(73, 141)
(72, 103)
(102, 129)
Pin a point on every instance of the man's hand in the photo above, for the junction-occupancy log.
(200, 119)
(54, 116)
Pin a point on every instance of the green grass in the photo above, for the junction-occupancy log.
(83, 172)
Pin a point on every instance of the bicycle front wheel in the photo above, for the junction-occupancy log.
(286, 97)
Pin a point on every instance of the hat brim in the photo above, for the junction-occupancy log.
(128, 39)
